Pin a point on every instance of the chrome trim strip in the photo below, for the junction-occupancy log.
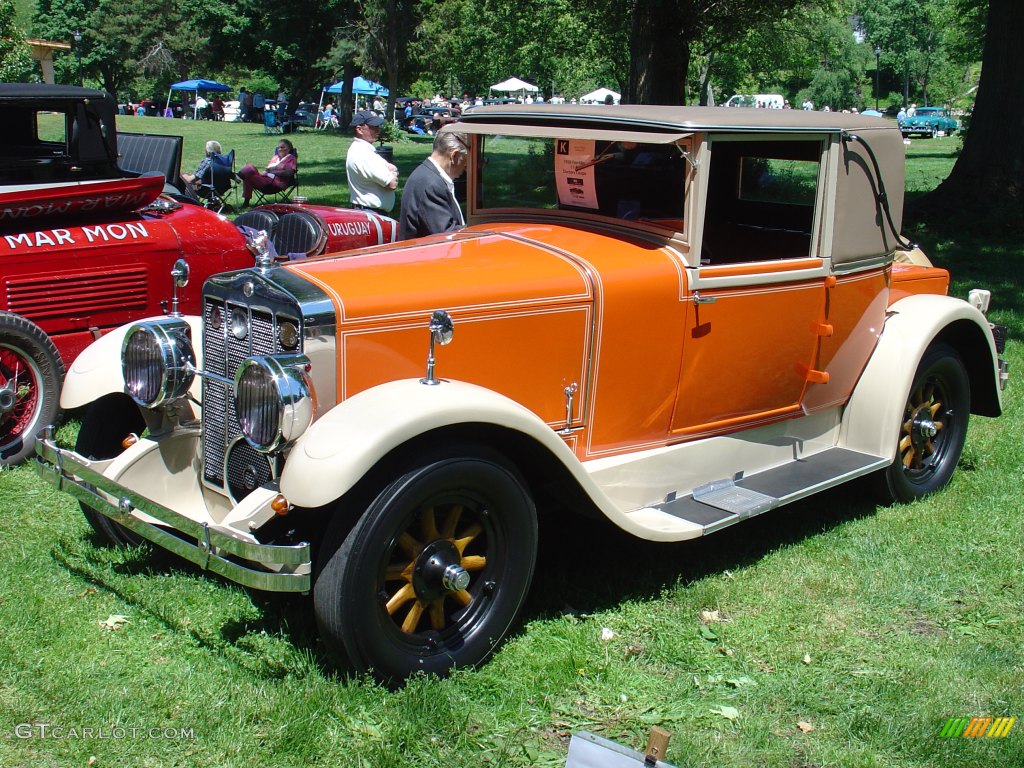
(71, 473)
(863, 265)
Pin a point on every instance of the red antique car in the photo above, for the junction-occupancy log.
(86, 247)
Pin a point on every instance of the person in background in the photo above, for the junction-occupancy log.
(372, 180)
(244, 104)
(278, 174)
(218, 107)
(282, 103)
(429, 206)
(214, 154)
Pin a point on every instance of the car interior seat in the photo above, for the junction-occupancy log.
(259, 219)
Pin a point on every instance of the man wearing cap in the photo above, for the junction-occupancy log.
(429, 206)
(372, 180)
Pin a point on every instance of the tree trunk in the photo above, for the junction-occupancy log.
(988, 177)
(659, 54)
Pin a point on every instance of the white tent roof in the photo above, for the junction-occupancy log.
(514, 84)
(599, 95)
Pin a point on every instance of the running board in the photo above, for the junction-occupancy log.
(723, 502)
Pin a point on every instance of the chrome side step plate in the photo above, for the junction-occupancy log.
(722, 503)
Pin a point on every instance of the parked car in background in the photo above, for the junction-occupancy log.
(929, 122)
(674, 318)
(86, 246)
(431, 118)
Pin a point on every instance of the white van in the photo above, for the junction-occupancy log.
(764, 100)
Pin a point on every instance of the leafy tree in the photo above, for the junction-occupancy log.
(568, 46)
(132, 44)
(665, 33)
(15, 60)
(986, 184)
(289, 41)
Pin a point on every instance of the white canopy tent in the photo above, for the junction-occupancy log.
(599, 96)
(514, 85)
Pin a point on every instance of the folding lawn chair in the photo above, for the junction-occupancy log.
(217, 183)
(281, 195)
(270, 123)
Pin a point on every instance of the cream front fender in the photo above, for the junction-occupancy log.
(346, 442)
(871, 420)
(97, 371)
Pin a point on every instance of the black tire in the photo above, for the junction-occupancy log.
(31, 373)
(488, 525)
(932, 132)
(933, 428)
(107, 422)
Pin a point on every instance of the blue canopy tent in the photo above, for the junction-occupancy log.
(360, 87)
(197, 86)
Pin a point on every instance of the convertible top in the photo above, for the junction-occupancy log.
(674, 119)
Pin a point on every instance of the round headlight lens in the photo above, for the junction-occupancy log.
(274, 400)
(158, 361)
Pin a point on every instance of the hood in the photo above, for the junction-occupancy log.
(475, 271)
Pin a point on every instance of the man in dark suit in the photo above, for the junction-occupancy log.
(429, 206)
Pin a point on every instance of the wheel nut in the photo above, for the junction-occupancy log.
(455, 578)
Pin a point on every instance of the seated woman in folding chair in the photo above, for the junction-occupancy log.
(278, 175)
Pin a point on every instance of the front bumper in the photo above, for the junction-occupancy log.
(243, 562)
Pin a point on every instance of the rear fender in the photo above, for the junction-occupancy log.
(872, 418)
(97, 371)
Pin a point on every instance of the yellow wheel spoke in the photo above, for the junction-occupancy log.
(412, 619)
(398, 571)
(400, 598)
(908, 459)
(451, 519)
(906, 444)
(409, 545)
(470, 533)
(428, 526)
(463, 597)
(473, 562)
(935, 409)
(437, 614)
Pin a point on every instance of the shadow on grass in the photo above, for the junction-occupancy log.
(589, 566)
(244, 640)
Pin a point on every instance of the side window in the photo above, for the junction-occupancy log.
(31, 143)
(761, 200)
(616, 179)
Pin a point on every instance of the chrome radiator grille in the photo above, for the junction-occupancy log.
(229, 463)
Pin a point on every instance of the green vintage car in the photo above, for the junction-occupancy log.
(930, 122)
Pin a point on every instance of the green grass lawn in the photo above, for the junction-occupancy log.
(829, 633)
(321, 154)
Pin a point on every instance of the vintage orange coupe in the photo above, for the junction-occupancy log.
(676, 318)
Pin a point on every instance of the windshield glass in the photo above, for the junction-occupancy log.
(616, 179)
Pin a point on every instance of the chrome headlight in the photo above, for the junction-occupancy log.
(274, 400)
(158, 361)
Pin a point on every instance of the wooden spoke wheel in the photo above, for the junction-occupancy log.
(933, 428)
(432, 574)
